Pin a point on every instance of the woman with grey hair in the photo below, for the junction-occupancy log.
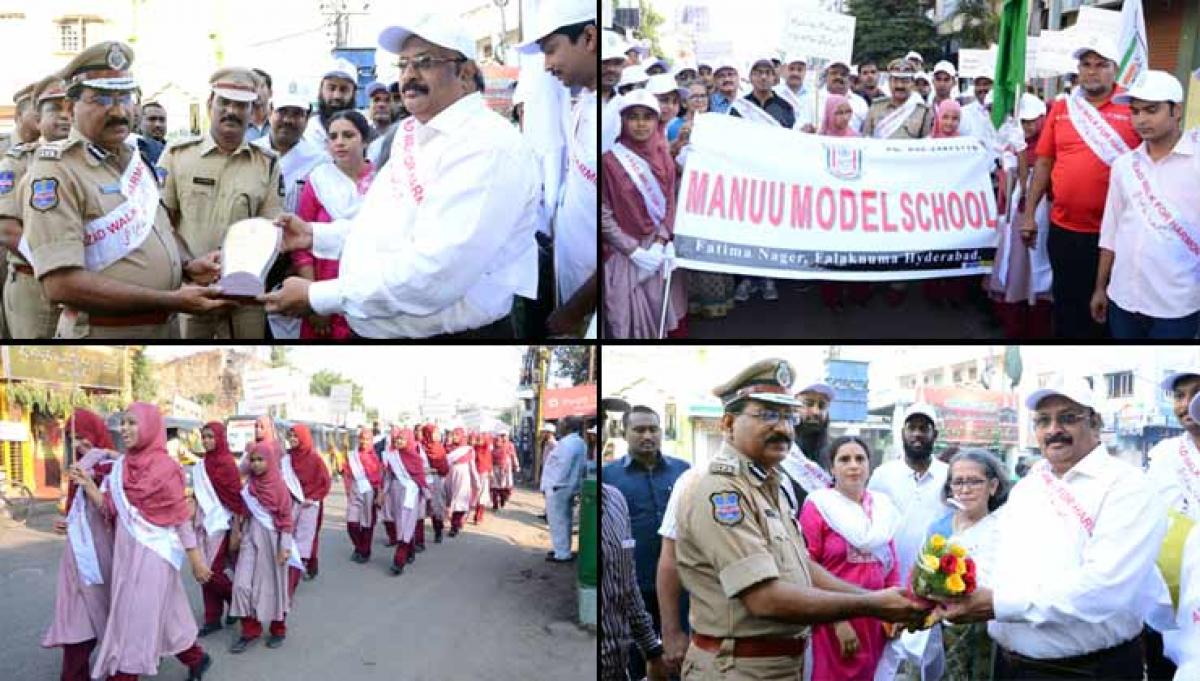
(976, 486)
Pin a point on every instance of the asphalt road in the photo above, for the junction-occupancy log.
(482, 605)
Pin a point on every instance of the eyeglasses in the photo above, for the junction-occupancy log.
(967, 483)
(1065, 419)
(771, 417)
(425, 62)
(811, 403)
(108, 100)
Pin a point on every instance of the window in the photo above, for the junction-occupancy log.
(70, 37)
(1119, 384)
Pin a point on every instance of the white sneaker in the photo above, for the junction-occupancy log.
(769, 290)
(742, 293)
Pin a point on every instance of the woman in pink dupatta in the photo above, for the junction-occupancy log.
(81, 599)
(149, 615)
(836, 123)
(403, 482)
(264, 536)
(633, 295)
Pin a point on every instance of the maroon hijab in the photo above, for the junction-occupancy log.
(222, 470)
(410, 456)
(153, 481)
(621, 195)
(88, 425)
(313, 476)
(269, 488)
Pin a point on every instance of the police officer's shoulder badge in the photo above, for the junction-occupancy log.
(727, 507)
(45, 194)
(7, 180)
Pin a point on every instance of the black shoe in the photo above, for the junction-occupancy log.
(397, 570)
(420, 548)
(355, 556)
(275, 641)
(390, 543)
(437, 539)
(411, 558)
(552, 559)
(309, 576)
(362, 558)
(209, 628)
(453, 533)
(197, 673)
(230, 619)
(241, 644)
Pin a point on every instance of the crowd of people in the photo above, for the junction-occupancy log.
(247, 524)
(790, 555)
(113, 231)
(1079, 253)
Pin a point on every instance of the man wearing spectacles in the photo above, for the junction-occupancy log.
(1075, 555)
(444, 240)
(755, 591)
(914, 484)
(99, 240)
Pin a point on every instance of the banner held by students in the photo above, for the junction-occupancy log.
(769, 202)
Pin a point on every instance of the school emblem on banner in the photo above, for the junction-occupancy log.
(45, 194)
(843, 162)
(6, 182)
(727, 508)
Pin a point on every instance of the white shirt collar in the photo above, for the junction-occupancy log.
(456, 115)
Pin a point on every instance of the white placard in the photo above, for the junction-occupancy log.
(339, 397)
(826, 36)
(266, 386)
(976, 63)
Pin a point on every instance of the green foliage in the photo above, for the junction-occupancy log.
(887, 29)
(570, 361)
(980, 25)
(324, 380)
(145, 386)
(59, 401)
(279, 356)
(651, 20)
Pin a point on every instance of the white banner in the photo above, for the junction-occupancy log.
(976, 63)
(763, 201)
(811, 34)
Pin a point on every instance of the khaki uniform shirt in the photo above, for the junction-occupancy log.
(83, 176)
(918, 125)
(734, 532)
(13, 166)
(208, 190)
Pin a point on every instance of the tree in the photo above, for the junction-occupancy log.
(142, 381)
(279, 356)
(323, 381)
(571, 362)
(651, 20)
(887, 29)
(978, 24)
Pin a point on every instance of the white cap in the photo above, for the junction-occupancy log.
(612, 46)
(1076, 390)
(291, 94)
(914, 55)
(1168, 383)
(638, 98)
(1153, 86)
(921, 75)
(1032, 108)
(438, 30)
(554, 15)
(946, 67)
(817, 386)
(921, 408)
(632, 75)
(500, 429)
(549, 428)
(1100, 44)
(662, 84)
(1194, 409)
(680, 68)
(793, 58)
(341, 68)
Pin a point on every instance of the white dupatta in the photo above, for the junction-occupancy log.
(1100, 137)
(753, 112)
(892, 122)
(337, 193)
(290, 479)
(362, 484)
(163, 541)
(261, 515)
(79, 532)
(391, 458)
(868, 527)
(216, 516)
(642, 175)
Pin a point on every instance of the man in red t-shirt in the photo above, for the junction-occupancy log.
(1080, 141)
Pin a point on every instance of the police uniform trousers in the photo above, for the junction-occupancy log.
(248, 322)
(703, 665)
(27, 312)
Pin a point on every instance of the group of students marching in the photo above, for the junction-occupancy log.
(249, 532)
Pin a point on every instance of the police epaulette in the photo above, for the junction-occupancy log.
(51, 152)
(185, 142)
(722, 467)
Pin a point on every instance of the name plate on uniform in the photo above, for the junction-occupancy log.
(250, 249)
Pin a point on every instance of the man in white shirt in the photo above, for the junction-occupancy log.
(564, 483)
(1146, 282)
(1077, 542)
(976, 121)
(566, 33)
(794, 91)
(445, 237)
(837, 82)
(297, 156)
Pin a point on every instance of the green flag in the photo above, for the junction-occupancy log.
(1010, 60)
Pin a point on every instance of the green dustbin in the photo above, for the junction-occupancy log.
(588, 536)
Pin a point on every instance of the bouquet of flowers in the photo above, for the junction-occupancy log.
(944, 570)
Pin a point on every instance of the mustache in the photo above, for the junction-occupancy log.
(1061, 438)
(779, 439)
(231, 118)
(415, 87)
(115, 122)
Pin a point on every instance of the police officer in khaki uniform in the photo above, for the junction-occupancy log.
(217, 179)
(101, 243)
(28, 313)
(919, 121)
(21, 144)
(740, 554)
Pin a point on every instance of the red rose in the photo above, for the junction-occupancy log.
(949, 563)
(970, 568)
(969, 581)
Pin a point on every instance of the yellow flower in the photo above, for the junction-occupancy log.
(929, 562)
(958, 550)
(937, 541)
(960, 567)
(955, 584)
